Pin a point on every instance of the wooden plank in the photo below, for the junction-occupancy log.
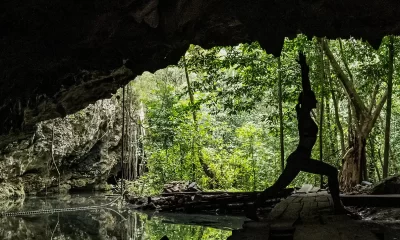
(322, 198)
(292, 212)
(278, 210)
(308, 199)
(306, 210)
(309, 214)
(297, 200)
(305, 188)
(322, 205)
(322, 192)
(288, 218)
(312, 194)
(314, 190)
(389, 200)
(291, 198)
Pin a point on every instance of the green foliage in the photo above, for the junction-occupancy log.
(236, 102)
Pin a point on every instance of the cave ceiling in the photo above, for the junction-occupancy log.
(58, 56)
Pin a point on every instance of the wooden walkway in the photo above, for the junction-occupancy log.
(302, 216)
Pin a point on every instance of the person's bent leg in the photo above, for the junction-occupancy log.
(318, 167)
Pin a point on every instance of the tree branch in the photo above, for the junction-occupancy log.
(373, 98)
(376, 113)
(346, 65)
(348, 85)
(337, 119)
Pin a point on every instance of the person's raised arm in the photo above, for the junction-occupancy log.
(305, 80)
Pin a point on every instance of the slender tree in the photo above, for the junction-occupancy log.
(52, 156)
(280, 99)
(196, 144)
(123, 139)
(349, 106)
(338, 124)
(388, 109)
(321, 116)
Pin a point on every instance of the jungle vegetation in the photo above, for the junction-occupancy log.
(224, 117)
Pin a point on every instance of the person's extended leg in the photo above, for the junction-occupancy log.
(289, 173)
(318, 167)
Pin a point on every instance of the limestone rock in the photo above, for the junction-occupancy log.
(84, 151)
(390, 185)
(11, 189)
(181, 186)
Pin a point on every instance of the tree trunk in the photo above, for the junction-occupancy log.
(353, 162)
(280, 99)
(321, 116)
(349, 124)
(136, 151)
(142, 133)
(388, 110)
(349, 108)
(337, 118)
(253, 160)
(122, 139)
(128, 134)
(52, 155)
(181, 157)
(373, 166)
(331, 149)
(197, 145)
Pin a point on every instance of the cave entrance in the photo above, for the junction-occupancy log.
(224, 116)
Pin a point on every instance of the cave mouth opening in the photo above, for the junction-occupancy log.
(231, 86)
(242, 81)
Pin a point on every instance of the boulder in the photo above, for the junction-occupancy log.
(390, 185)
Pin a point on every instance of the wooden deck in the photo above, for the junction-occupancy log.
(302, 216)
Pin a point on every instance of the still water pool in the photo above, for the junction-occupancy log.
(115, 220)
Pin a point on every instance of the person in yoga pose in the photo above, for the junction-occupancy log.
(300, 159)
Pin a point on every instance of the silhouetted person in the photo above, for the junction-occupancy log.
(300, 159)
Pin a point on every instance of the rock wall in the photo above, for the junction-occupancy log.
(85, 146)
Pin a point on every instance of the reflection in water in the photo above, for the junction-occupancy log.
(113, 222)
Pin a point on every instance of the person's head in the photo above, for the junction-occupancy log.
(308, 100)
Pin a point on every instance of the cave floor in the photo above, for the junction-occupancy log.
(304, 216)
